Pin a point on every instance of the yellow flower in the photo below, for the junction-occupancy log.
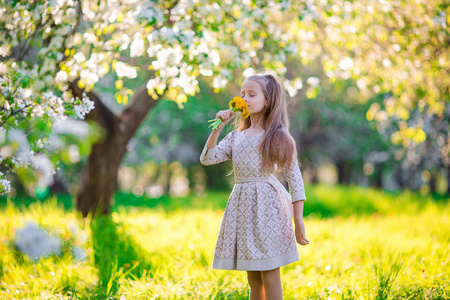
(245, 113)
(236, 105)
(239, 105)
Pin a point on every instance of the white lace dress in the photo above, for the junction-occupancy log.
(256, 233)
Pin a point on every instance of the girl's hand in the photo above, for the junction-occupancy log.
(300, 232)
(226, 116)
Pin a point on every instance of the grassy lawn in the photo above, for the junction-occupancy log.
(364, 244)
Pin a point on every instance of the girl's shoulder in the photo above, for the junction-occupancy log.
(231, 136)
(233, 133)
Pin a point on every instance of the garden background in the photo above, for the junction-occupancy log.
(103, 114)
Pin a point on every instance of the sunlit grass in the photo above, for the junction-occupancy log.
(402, 251)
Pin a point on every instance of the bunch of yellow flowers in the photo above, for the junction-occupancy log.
(236, 105)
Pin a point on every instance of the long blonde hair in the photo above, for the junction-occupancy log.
(277, 146)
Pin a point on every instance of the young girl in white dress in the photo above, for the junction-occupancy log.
(256, 234)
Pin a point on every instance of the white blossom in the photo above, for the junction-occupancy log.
(38, 111)
(214, 55)
(74, 154)
(346, 64)
(79, 57)
(185, 81)
(248, 72)
(61, 77)
(137, 46)
(2, 135)
(3, 68)
(168, 34)
(313, 81)
(5, 50)
(53, 105)
(56, 42)
(124, 42)
(43, 164)
(89, 38)
(72, 126)
(292, 48)
(90, 77)
(168, 56)
(219, 82)
(156, 83)
(85, 107)
(151, 13)
(5, 185)
(187, 37)
(23, 153)
(206, 68)
(123, 70)
(169, 72)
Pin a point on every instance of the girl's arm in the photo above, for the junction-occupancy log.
(213, 137)
(213, 154)
(294, 179)
(300, 235)
(226, 116)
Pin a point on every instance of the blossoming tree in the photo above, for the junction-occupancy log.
(69, 45)
(38, 123)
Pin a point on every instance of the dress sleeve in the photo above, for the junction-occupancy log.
(294, 178)
(220, 153)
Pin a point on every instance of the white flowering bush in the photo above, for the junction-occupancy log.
(32, 130)
(36, 243)
(34, 104)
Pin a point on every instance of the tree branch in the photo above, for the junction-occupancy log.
(100, 114)
(136, 110)
(27, 43)
(74, 30)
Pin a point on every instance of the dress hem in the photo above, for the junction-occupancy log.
(255, 264)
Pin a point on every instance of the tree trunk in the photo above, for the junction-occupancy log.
(98, 181)
(448, 180)
(375, 179)
(344, 170)
(433, 181)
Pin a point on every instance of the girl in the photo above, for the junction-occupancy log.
(256, 233)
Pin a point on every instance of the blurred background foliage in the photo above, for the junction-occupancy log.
(367, 92)
(336, 143)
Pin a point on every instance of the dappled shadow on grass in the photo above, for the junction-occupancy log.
(116, 255)
(212, 200)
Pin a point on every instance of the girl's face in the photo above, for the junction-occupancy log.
(253, 95)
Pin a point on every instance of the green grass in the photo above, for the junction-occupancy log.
(364, 244)
(327, 201)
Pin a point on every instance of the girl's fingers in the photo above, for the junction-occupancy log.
(303, 242)
(301, 239)
(224, 114)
